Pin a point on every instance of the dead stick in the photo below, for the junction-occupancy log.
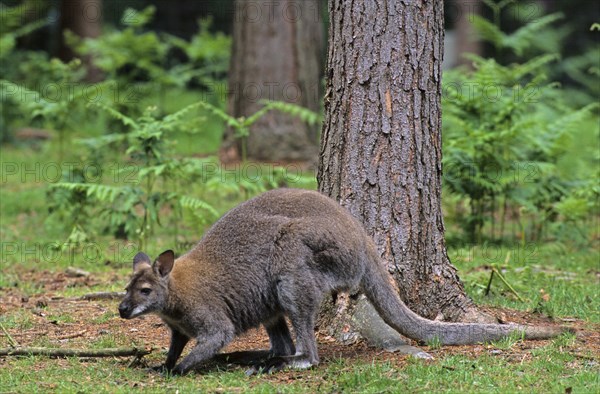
(503, 279)
(73, 335)
(512, 290)
(489, 285)
(58, 352)
(110, 295)
(11, 341)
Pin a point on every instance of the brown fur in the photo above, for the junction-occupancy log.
(272, 257)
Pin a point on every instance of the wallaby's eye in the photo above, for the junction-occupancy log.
(146, 291)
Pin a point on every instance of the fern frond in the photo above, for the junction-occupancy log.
(533, 66)
(176, 117)
(488, 31)
(229, 120)
(126, 120)
(103, 193)
(196, 205)
(522, 38)
(304, 114)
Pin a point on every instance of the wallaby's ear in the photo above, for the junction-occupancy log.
(164, 263)
(141, 259)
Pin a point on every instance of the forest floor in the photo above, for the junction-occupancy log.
(48, 318)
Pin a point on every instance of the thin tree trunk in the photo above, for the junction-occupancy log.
(276, 56)
(466, 37)
(381, 151)
(84, 18)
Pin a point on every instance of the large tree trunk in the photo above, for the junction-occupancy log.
(381, 152)
(277, 47)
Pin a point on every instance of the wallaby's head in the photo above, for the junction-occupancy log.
(148, 289)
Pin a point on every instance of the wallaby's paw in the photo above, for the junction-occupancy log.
(161, 369)
(276, 364)
(177, 371)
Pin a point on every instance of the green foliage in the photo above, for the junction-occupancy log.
(434, 343)
(143, 52)
(507, 132)
(518, 41)
(52, 106)
(11, 26)
(131, 208)
(208, 54)
(243, 124)
(146, 61)
(157, 180)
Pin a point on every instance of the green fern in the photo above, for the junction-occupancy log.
(519, 41)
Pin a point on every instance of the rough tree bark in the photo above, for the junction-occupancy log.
(277, 51)
(381, 154)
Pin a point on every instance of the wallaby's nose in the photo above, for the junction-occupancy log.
(123, 311)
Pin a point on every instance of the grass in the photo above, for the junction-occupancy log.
(553, 279)
(487, 373)
(557, 281)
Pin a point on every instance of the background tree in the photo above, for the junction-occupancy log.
(84, 18)
(276, 56)
(381, 153)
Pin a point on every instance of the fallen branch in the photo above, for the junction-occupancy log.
(109, 295)
(58, 352)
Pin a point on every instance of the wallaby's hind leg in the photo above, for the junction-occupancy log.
(306, 344)
(300, 300)
(306, 351)
(281, 345)
(280, 338)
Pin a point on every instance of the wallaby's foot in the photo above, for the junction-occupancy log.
(177, 371)
(276, 364)
(162, 368)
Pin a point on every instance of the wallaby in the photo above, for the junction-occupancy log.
(275, 256)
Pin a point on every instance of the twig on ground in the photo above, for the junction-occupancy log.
(489, 285)
(58, 352)
(512, 290)
(108, 295)
(496, 271)
(72, 335)
(11, 341)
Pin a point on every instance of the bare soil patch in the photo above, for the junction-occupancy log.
(74, 323)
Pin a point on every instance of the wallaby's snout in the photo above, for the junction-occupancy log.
(124, 310)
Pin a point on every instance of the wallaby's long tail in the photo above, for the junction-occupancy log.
(379, 291)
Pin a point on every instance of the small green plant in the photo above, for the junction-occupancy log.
(434, 343)
(242, 124)
(509, 341)
(565, 340)
(56, 105)
(207, 55)
(131, 208)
